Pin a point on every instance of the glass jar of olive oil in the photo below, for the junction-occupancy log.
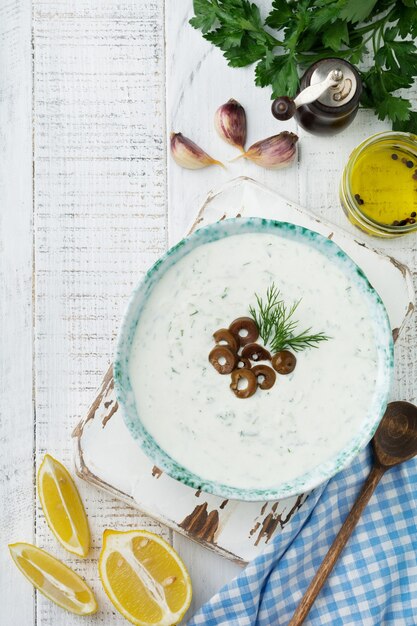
(378, 190)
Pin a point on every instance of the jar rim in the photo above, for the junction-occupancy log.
(346, 189)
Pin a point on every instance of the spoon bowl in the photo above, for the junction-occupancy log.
(395, 440)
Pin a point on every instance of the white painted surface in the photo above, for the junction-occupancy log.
(97, 220)
(17, 506)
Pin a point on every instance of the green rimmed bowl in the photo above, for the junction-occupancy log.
(372, 413)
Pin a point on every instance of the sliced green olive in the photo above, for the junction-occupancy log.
(245, 330)
(255, 352)
(223, 359)
(251, 383)
(224, 336)
(284, 362)
(267, 374)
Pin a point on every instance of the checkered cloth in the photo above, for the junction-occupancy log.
(374, 582)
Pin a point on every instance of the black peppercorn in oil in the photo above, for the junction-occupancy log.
(384, 185)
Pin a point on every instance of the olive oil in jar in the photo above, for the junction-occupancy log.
(383, 182)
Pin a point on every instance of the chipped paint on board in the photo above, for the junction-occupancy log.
(272, 520)
(201, 524)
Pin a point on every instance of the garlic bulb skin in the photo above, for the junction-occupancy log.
(230, 123)
(274, 152)
(188, 154)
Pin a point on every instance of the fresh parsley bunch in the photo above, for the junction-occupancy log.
(299, 32)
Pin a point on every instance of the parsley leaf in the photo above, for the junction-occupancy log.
(205, 15)
(406, 19)
(398, 56)
(326, 13)
(357, 10)
(280, 14)
(234, 26)
(280, 72)
(297, 33)
(408, 126)
(393, 81)
(336, 35)
(240, 56)
(395, 108)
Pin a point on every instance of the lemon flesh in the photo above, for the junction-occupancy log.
(54, 579)
(144, 578)
(62, 506)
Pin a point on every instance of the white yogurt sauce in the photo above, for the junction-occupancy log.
(275, 435)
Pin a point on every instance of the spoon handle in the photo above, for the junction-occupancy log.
(337, 546)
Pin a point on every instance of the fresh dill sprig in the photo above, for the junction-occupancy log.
(266, 312)
(284, 325)
(302, 341)
(277, 325)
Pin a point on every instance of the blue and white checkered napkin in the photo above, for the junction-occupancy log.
(374, 583)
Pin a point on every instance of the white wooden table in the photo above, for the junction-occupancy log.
(87, 203)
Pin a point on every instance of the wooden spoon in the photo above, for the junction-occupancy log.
(395, 441)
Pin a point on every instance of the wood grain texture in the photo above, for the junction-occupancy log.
(99, 220)
(17, 520)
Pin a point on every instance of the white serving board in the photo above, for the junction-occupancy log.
(107, 456)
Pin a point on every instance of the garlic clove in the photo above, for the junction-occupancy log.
(274, 152)
(230, 123)
(187, 154)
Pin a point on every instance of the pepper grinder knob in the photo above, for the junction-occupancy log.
(283, 108)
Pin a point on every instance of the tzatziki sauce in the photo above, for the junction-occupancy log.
(307, 417)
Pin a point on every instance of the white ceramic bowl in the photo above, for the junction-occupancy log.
(372, 414)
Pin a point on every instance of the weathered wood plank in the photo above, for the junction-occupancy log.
(16, 412)
(100, 221)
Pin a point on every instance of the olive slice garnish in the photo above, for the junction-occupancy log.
(251, 380)
(245, 330)
(255, 352)
(268, 375)
(224, 336)
(223, 359)
(242, 362)
(284, 362)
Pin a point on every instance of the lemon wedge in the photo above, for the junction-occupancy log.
(62, 506)
(144, 578)
(54, 579)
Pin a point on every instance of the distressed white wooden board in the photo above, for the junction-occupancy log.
(17, 517)
(107, 456)
(99, 220)
(93, 185)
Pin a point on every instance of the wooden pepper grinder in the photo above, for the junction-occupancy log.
(328, 99)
